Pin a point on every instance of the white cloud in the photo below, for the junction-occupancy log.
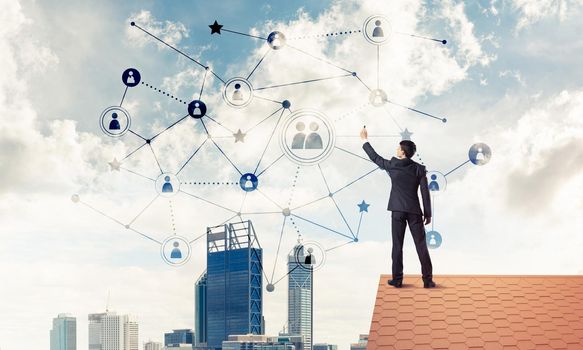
(171, 32)
(533, 11)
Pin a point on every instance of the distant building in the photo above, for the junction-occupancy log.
(109, 331)
(64, 333)
(254, 342)
(325, 346)
(362, 343)
(234, 295)
(179, 337)
(300, 296)
(200, 319)
(152, 345)
(296, 340)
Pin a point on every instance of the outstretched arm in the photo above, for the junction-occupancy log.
(425, 197)
(383, 163)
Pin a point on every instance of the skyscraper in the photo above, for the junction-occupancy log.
(234, 282)
(64, 333)
(109, 331)
(300, 295)
(200, 311)
(152, 345)
(179, 337)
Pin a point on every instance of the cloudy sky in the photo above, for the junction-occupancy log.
(510, 76)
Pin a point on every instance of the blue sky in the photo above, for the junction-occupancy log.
(510, 76)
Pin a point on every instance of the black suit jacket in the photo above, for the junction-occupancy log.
(407, 177)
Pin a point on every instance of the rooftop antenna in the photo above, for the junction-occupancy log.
(108, 297)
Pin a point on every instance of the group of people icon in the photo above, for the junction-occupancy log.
(310, 141)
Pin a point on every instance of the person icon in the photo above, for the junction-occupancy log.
(114, 123)
(310, 259)
(300, 137)
(276, 40)
(237, 94)
(130, 79)
(167, 187)
(378, 30)
(432, 240)
(248, 182)
(176, 253)
(433, 185)
(196, 111)
(314, 140)
(480, 155)
(378, 99)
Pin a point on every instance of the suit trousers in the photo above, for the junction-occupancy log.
(399, 222)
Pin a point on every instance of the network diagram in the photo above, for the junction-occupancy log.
(306, 137)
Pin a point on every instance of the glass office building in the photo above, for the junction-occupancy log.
(64, 333)
(234, 303)
(200, 311)
(300, 296)
(179, 337)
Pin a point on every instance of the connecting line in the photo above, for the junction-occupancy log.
(134, 151)
(209, 202)
(432, 212)
(201, 236)
(240, 33)
(156, 158)
(143, 210)
(193, 154)
(258, 63)
(219, 148)
(169, 127)
(319, 59)
(135, 173)
(363, 83)
(303, 82)
(338, 246)
(393, 118)
(369, 136)
(268, 141)
(322, 226)
(443, 41)
(324, 178)
(269, 116)
(278, 247)
(358, 179)
(326, 35)
(177, 50)
(309, 203)
(269, 199)
(354, 154)
(219, 123)
(333, 200)
(243, 202)
(456, 168)
(359, 222)
(203, 81)
(417, 111)
(378, 67)
(351, 112)
(262, 213)
(119, 222)
(267, 167)
(124, 96)
(284, 276)
(138, 135)
(267, 99)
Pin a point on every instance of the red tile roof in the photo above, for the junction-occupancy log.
(481, 312)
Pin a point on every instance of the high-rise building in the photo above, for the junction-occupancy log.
(296, 340)
(179, 337)
(300, 296)
(152, 345)
(64, 333)
(109, 331)
(200, 311)
(234, 303)
(325, 346)
(362, 343)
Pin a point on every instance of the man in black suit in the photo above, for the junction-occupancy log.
(407, 177)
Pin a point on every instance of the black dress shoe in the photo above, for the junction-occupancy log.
(428, 284)
(396, 283)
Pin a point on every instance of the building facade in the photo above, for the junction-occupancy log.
(109, 331)
(325, 346)
(179, 337)
(200, 318)
(362, 343)
(152, 345)
(254, 342)
(234, 303)
(300, 296)
(64, 333)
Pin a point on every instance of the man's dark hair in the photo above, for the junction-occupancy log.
(408, 147)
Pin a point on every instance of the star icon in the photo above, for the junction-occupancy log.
(406, 134)
(215, 28)
(363, 206)
(114, 165)
(239, 136)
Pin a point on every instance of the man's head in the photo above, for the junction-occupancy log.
(406, 149)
